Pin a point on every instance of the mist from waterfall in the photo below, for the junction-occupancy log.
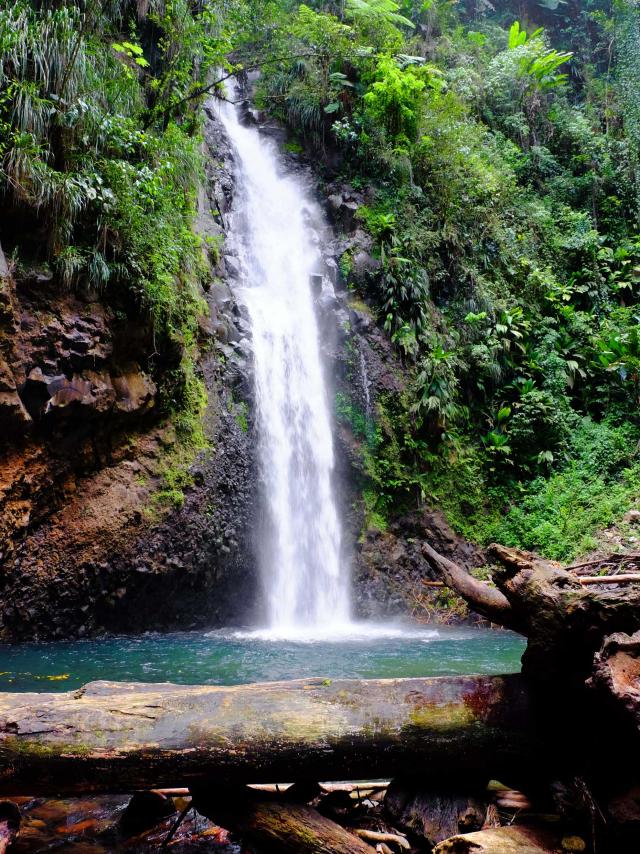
(305, 578)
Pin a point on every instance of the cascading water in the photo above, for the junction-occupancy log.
(305, 577)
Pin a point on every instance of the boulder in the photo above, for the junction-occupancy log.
(135, 391)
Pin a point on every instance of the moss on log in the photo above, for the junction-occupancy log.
(116, 737)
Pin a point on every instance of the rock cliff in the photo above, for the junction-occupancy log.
(107, 523)
(90, 542)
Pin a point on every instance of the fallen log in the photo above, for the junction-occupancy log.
(487, 601)
(120, 737)
(564, 619)
(277, 825)
(616, 675)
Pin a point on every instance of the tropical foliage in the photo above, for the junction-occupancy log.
(500, 157)
(500, 154)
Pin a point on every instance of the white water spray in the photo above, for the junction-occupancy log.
(305, 577)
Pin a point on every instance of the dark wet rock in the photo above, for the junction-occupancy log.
(342, 206)
(87, 542)
(144, 811)
(365, 264)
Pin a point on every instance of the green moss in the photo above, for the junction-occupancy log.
(293, 147)
(346, 265)
(441, 717)
(175, 474)
(241, 416)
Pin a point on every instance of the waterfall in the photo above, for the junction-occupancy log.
(304, 574)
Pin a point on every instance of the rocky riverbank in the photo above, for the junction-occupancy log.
(397, 817)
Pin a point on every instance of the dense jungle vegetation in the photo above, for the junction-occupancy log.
(497, 146)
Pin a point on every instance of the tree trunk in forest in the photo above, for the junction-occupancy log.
(117, 737)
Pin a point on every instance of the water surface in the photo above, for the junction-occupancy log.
(228, 658)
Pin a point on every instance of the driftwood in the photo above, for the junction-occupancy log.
(376, 838)
(632, 578)
(117, 737)
(487, 601)
(564, 621)
(500, 840)
(276, 824)
(607, 560)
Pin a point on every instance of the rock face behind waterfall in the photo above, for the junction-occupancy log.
(86, 543)
(388, 567)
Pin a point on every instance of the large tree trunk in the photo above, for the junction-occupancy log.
(111, 737)
(582, 664)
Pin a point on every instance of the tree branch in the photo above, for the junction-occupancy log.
(486, 600)
(204, 90)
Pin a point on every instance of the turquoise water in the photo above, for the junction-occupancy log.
(227, 658)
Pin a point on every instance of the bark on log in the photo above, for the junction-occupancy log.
(487, 601)
(118, 737)
(564, 621)
(278, 826)
(500, 840)
(433, 813)
(617, 675)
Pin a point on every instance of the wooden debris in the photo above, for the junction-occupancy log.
(390, 838)
(288, 828)
(434, 812)
(517, 839)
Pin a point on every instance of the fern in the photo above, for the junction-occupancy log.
(385, 10)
